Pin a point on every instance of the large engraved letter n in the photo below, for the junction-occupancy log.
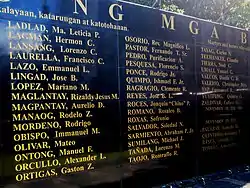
(82, 5)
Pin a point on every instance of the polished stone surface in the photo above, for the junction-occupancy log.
(195, 79)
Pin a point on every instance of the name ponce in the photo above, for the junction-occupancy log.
(38, 106)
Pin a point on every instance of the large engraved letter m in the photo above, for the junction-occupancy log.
(82, 5)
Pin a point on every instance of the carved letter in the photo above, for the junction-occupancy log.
(243, 38)
(111, 12)
(215, 33)
(166, 22)
(83, 7)
(193, 30)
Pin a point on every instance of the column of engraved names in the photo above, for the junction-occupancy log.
(152, 69)
(217, 76)
(78, 54)
(40, 89)
(31, 113)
